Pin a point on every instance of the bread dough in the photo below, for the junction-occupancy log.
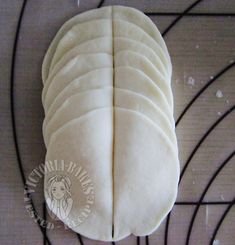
(102, 13)
(127, 99)
(121, 43)
(104, 45)
(91, 30)
(76, 106)
(92, 80)
(127, 77)
(138, 61)
(147, 175)
(89, 145)
(126, 29)
(131, 20)
(150, 177)
(109, 108)
(97, 45)
(76, 67)
(136, 17)
(103, 97)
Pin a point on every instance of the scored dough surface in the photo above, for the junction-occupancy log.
(104, 45)
(109, 107)
(131, 15)
(98, 98)
(133, 170)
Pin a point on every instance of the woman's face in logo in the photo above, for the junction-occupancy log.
(58, 190)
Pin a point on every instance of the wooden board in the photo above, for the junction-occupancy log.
(201, 44)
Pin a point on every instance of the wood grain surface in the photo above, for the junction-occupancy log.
(202, 47)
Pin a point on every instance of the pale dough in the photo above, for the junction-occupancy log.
(97, 45)
(147, 175)
(92, 80)
(76, 106)
(136, 17)
(102, 13)
(136, 20)
(76, 67)
(127, 77)
(108, 107)
(89, 145)
(138, 61)
(104, 45)
(81, 103)
(150, 177)
(136, 102)
(121, 43)
(91, 30)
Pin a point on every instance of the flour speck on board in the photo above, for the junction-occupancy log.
(219, 94)
(219, 113)
(197, 46)
(177, 81)
(191, 81)
(216, 242)
(222, 197)
(207, 215)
